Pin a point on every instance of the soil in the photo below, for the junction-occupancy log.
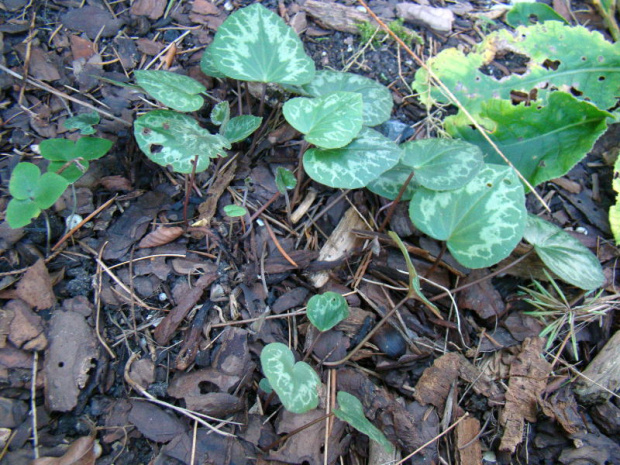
(145, 334)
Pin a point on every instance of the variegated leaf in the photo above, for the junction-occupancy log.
(255, 44)
(173, 90)
(390, 183)
(563, 254)
(220, 114)
(482, 222)
(175, 139)
(377, 98)
(327, 310)
(295, 383)
(354, 165)
(442, 164)
(330, 122)
(208, 67)
(240, 127)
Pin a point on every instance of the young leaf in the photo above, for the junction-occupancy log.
(173, 90)
(265, 386)
(442, 164)
(285, 180)
(255, 44)
(563, 254)
(61, 151)
(240, 127)
(330, 122)
(295, 383)
(208, 67)
(388, 185)
(84, 122)
(521, 13)
(327, 310)
(354, 165)
(20, 212)
(235, 211)
(220, 114)
(175, 139)
(351, 410)
(482, 222)
(377, 98)
(614, 210)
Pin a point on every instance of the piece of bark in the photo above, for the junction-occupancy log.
(562, 407)
(338, 17)
(468, 445)
(602, 376)
(438, 19)
(482, 297)
(153, 9)
(35, 287)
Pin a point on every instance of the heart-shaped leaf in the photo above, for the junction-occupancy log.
(354, 165)
(175, 139)
(208, 67)
(295, 383)
(389, 184)
(173, 90)
(482, 222)
(377, 98)
(84, 122)
(255, 44)
(220, 114)
(351, 410)
(442, 164)
(285, 180)
(240, 127)
(330, 122)
(60, 151)
(327, 310)
(563, 254)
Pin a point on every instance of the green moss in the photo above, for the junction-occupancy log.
(368, 32)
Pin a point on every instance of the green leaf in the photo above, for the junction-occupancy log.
(220, 114)
(442, 164)
(240, 127)
(614, 210)
(265, 386)
(23, 182)
(208, 67)
(568, 58)
(351, 410)
(482, 222)
(285, 180)
(354, 165)
(388, 185)
(521, 13)
(20, 212)
(330, 122)
(61, 151)
(175, 139)
(84, 122)
(235, 211)
(49, 189)
(255, 44)
(295, 383)
(543, 142)
(327, 310)
(377, 98)
(173, 90)
(563, 254)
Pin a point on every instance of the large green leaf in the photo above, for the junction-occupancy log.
(377, 98)
(255, 44)
(563, 254)
(543, 142)
(560, 57)
(173, 90)
(330, 122)
(482, 222)
(207, 65)
(175, 139)
(327, 310)
(61, 151)
(389, 184)
(354, 165)
(295, 383)
(521, 14)
(614, 210)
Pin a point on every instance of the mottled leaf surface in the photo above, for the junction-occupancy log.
(220, 114)
(388, 185)
(240, 127)
(327, 310)
(173, 90)
(208, 67)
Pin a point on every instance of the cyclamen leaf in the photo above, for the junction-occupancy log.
(520, 14)
(330, 122)
(285, 180)
(327, 310)
(351, 410)
(482, 222)
(295, 383)
(220, 114)
(614, 210)
(377, 98)
(255, 44)
(388, 185)
(240, 127)
(175, 139)
(563, 254)
(208, 67)
(173, 90)
(354, 165)
(84, 122)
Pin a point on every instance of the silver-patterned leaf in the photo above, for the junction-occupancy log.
(327, 310)
(220, 114)
(377, 98)
(255, 44)
(240, 127)
(330, 122)
(390, 183)
(173, 90)
(175, 139)
(295, 383)
(482, 222)
(208, 67)
(563, 254)
(354, 165)
(442, 164)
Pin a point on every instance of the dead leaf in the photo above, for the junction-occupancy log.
(93, 21)
(155, 423)
(204, 7)
(116, 183)
(161, 236)
(35, 287)
(153, 9)
(81, 48)
(25, 325)
(482, 297)
(83, 451)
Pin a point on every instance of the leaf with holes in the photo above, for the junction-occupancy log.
(208, 67)
(521, 14)
(541, 142)
(255, 44)
(296, 384)
(566, 256)
(389, 184)
(61, 151)
(351, 410)
(240, 127)
(354, 165)
(377, 98)
(173, 90)
(175, 139)
(327, 310)
(482, 222)
(330, 122)
(567, 58)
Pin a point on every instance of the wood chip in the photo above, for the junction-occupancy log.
(602, 375)
(153, 9)
(438, 19)
(338, 17)
(468, 445)
(35, 287)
